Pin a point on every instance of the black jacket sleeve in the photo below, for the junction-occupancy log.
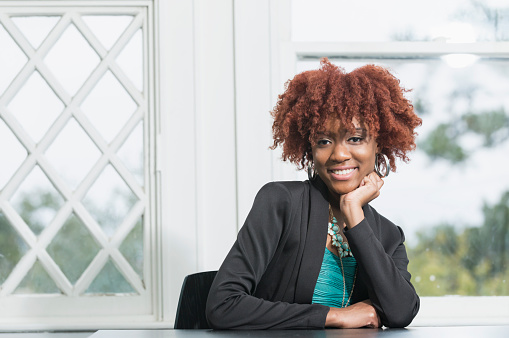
(231, 304)
(383, 268)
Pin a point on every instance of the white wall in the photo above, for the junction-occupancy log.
(217, 69)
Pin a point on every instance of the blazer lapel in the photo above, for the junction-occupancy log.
(315, 242)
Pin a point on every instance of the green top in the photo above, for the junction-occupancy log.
(329, 286)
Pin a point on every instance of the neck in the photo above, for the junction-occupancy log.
(334, 199)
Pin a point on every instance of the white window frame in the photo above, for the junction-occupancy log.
(36, 312)
(434, 311)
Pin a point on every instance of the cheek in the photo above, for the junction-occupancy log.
(369, 158)
(319, 158)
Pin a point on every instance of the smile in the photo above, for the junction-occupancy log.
(343, 172)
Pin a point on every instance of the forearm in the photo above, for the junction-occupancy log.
(241, 311)
(385, 275)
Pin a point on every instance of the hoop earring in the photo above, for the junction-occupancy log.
(311, 171)
(380, 157)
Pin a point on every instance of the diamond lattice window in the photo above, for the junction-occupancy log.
(75, 160)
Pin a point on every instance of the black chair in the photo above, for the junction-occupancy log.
(192, 301)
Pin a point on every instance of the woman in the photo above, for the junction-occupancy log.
(314, 254)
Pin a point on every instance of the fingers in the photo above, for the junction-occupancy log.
(374, 179)
(361, 314)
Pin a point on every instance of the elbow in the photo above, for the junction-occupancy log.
(213, 317)
(216, 317)
(397, 322)
(403, 317)
(214, 321)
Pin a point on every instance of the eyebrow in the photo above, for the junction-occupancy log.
(326, 132)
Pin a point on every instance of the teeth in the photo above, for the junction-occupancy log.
(342, 172)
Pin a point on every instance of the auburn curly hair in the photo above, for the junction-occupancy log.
(369, 93)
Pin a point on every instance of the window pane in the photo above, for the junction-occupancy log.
(452, 199)
(35, 106)
(80, 186)
(131, 60)
(108, 106)
(12, 248)
(37, 280)
(73, 248)
(400, 20)
(109, 200)
(12, 59)
(132, 248)
(109, 281)
(131, 154)
(73, 154)
(37, 201)
(11, 156)
(71, 66)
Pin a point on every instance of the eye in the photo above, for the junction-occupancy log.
(323, 142)
(355, 139)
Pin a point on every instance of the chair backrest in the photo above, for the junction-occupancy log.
(192, 301)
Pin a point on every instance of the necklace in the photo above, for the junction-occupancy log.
(343, 250)
(337, 239)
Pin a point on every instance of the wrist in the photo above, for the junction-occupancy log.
(333, 318)
(353, 215)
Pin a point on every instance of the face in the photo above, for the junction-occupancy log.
(343, 159)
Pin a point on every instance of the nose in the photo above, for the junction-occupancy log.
(341, 153)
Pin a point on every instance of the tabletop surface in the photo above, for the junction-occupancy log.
(412, 332)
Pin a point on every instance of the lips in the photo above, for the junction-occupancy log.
(342, 174)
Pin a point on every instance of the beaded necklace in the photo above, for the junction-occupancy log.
(337, 239)
(343, 251)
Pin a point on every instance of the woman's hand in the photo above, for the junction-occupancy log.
(351, 204)
(361, 314)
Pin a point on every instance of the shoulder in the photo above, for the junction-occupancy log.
(284, 189)
(282, 195)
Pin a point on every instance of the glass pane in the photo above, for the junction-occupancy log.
(12, 154)
(107, 28)
(37, 201)
(73, 248)
(109, 200)
(131, 154)
(12, 248)
(452, 199)
(109, 281)
(37, 280)
(131, 60)
(132, 248)
(400, 20)
(71, 60)
(35, 28)
(73, 154)
(12, 59)
(36, 106)
(108, 106)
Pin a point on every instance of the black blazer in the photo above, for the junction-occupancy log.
(268, 278)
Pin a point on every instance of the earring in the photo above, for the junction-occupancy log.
(311, 171)
(380, 157)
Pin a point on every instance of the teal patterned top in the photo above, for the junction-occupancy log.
(329, 286)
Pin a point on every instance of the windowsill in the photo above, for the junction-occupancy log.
(463, 310)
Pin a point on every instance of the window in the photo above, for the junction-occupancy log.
(77, 170)
(451, 200)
